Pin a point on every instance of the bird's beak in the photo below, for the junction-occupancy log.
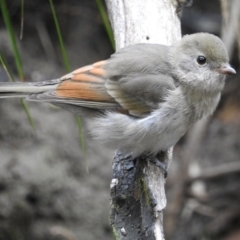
(226, 69)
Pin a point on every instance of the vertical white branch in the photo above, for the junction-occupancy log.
(137, 21)
(138, 192)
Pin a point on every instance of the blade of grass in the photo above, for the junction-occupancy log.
(3, 62)
(30, 119)
(22, 19)
(16, 56)
(67, 66)
(106, 22)
(79, 122)
(64, 54)
(24, 105)
(8, 24)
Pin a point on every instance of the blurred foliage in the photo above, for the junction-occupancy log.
(17, 57)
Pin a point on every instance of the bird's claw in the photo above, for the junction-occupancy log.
(158, 163)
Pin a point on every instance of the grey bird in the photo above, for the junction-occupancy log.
(144, 98)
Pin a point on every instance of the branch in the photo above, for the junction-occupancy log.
(151, 21)
(230, 29)
(137, 188)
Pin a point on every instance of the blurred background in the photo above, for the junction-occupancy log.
(45, 190)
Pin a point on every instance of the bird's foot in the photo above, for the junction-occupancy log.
(156, 161)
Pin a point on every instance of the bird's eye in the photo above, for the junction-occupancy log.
(201, 60)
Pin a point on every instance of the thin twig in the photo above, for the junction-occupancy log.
(218, 171)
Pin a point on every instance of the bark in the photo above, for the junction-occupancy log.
(137, 188)
(152, 21)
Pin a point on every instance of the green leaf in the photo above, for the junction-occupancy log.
(3, 62)
(67, 66)
(8, 24)
(30, 119)
(106, 22)
(81, 137)
(16, 56)
(22, 19)
(63, 50)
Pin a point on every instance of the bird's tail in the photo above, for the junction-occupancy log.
(22, 89)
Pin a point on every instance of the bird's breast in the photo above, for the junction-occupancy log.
(202, 105)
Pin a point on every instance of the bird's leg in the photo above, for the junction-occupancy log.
(156, 159)
(124, 156)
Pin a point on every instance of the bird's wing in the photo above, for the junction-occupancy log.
(83, 87)
(123, 83)
(139, 77)
(140, 95)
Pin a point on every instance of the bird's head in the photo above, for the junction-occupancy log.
(201, 61)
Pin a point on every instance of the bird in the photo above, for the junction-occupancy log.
(142, 99)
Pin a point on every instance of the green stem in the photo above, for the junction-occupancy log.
(8, 24)
(64, 54)
(106, 22)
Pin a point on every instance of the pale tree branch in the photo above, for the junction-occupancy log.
(230, 28)
(138, 186)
